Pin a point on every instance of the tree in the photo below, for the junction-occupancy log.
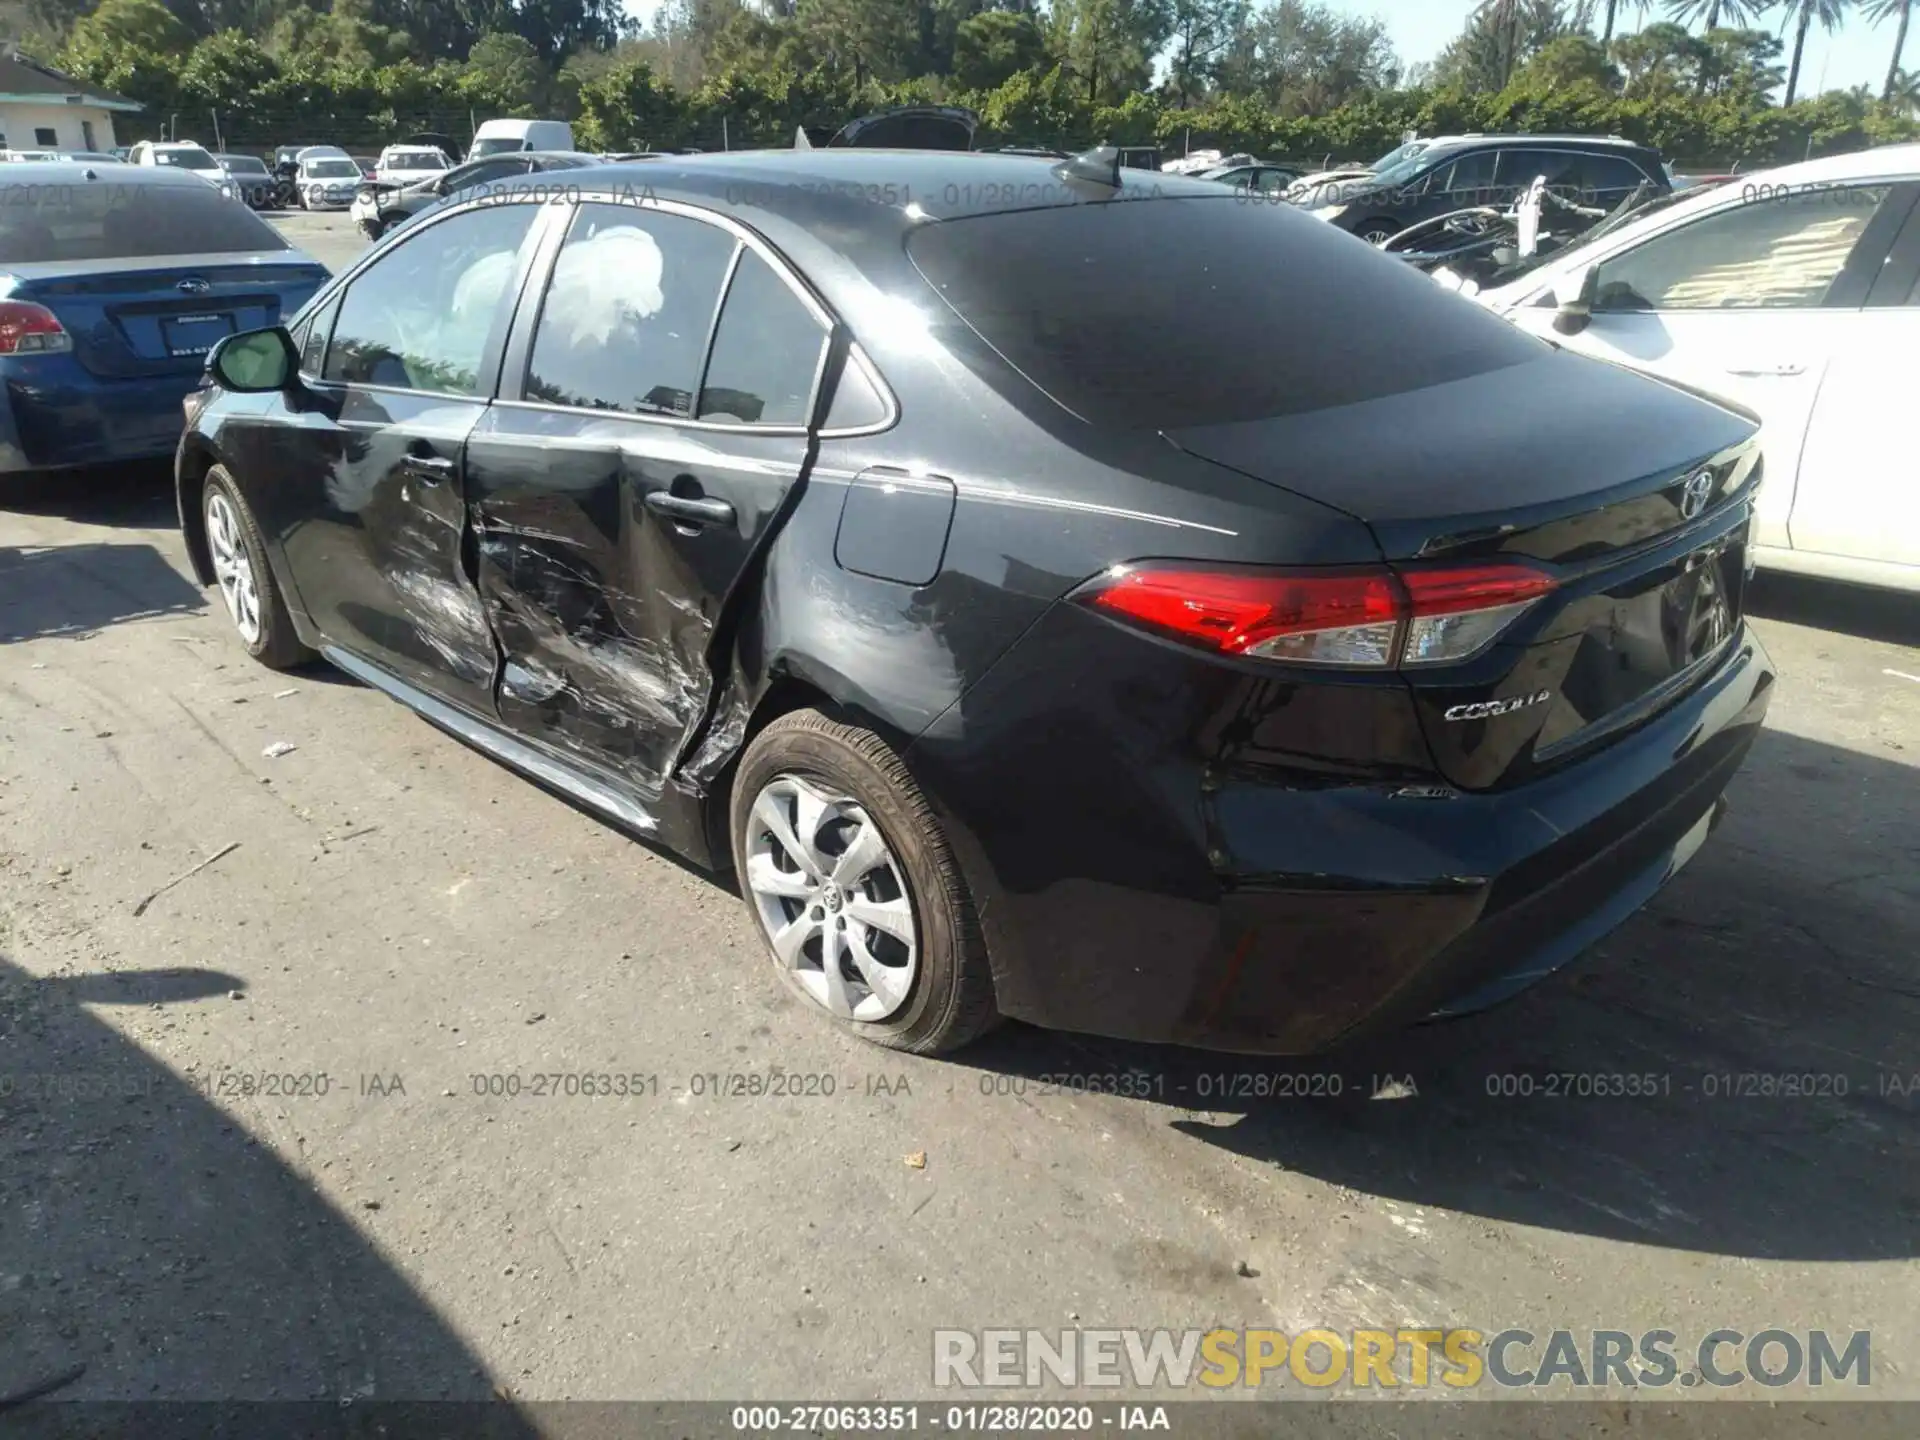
(1301, 57)
(1741, 64)
(1878, 12)
(1801, 14)
(503, 74)
(1660, 59)
(993, 46)
(1711, 12)
(1500, 36)
(1202, 30)
(135, 47)
(872, 38)
(226, 71)
(1570, 61)
(1109, 45)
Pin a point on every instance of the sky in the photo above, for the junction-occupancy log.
(1855, 55)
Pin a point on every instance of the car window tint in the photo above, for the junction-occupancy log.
(1760, 254)
(418, 318)
(1609, 173)
(1248, 304)
(1471, 172)
(624, 322)
(312, 339)
(766, 351)
(104, 221)
(857, 404)
(482, 173)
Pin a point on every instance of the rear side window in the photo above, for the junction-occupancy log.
(766, 352)
(1760, 254)
(1252, 310)
(1610, 173)
(98, 220)
(625, 319)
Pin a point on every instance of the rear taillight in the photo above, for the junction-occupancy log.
(1370, 618)
(29, 329)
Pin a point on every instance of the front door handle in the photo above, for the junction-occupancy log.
(689, 509)
(429, 469)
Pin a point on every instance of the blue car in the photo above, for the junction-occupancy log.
(115, 281)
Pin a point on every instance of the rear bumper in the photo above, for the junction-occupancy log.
(1290, 917)
(56, 415)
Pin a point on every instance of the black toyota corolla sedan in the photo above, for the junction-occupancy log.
(1253, 656)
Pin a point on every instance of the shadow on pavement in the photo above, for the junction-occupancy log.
(152, 1250)
(138, 495)
(1887, 615)
(1766, 1005)
(77, 589)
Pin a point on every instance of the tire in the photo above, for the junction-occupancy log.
(1378, 232)
(273, 642)
(946, 996)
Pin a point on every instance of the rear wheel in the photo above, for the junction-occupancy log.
(1378, 232)
(245, 582)
(849, 876)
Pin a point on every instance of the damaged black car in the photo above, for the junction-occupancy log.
(1279, 652)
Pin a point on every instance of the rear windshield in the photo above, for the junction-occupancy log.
(244, 165)
(98, 220)
(416, 160)
(1246, 310)
(332, 169)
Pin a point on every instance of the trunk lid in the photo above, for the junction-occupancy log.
(131, 319)
(1584, 470)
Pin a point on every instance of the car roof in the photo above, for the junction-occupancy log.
(76, 172)
(179, 145)
(1886, 161)
(877, 183)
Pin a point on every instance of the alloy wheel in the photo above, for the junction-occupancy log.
(831, 898)
(233, 567)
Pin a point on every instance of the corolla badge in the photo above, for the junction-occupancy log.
(1695, 493)
(1488, 709)
(194, 285)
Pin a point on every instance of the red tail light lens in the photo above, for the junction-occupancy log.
(29, 329)
(1357, 618)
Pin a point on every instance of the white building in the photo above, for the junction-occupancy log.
(41, 109)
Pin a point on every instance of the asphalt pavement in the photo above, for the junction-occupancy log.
(291, 1038)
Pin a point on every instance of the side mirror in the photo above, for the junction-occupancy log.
(254, 361)
(1573, 299)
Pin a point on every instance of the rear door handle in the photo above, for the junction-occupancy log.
(429, 469)
(689, 509)
(1761, 372)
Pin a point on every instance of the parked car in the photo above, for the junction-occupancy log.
(178, 155)
(248, 180)
(327, 182)
(1249, 665)
(898, 127)
(378, 209)
(1796, 294)
(1255, 177)
(93, 157)
(501, 137)
(1491, 170)
(369, 165)
(401, 165)
(114, 282)
(25, 157)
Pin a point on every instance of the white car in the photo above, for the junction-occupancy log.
(405, 164)
(179, 155)
(326, 182)
(1794, 293)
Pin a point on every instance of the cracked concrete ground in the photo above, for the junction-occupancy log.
(257, 1139)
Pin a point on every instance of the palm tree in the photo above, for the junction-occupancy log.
(1905, 91)
(1736, 12)
(1613, 15)
(1503, 18)
(1878, 10)
(1801, 14)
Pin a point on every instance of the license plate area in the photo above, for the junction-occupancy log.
(1644, 637)
(189, 335)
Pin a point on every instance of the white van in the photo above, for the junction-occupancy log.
(496, 137)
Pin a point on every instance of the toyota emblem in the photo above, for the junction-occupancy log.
(1695, 494)
(194, 285)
